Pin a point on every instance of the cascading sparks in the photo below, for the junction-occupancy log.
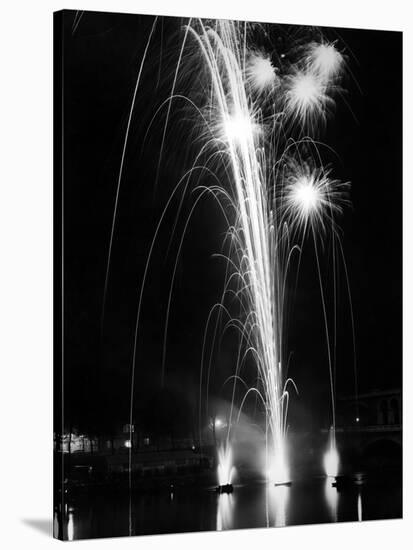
(273, 197)
(258, 115)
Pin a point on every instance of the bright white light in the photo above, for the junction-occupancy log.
(306, 98)
(306, 91)
(128, 444)
(278, 471)
(357, 419)
(70, 527)
(359, 507)
(325, 59)
(306, 195)
(331, 495)
(218, 423)
(225, 511)
(225, 467)
(261, 74)
(239, 128)
(304, 198)
(331, 458)
(311, 197)
(278, 498)
(331, 462)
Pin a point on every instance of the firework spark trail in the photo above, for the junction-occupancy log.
(225, 465)
(121, 167)
(312, 200)
(274, 196)
(265, 219)
(76, 21)
(257, 251)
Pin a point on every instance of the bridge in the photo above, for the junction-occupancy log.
(369, 426)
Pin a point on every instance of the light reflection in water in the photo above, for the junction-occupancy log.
(359, 507)
(225, 511)
(331, 494)
(277, 505)
(56, 525)
(70, 526)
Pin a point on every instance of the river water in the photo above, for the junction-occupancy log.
(254, 504)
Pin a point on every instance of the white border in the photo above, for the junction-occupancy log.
(26, 266)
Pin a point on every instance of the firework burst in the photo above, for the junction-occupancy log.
(261, 75)
(307, 102)
(312, 198)
(325, 60)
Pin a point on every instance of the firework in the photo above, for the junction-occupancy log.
(311, 197)
(331, 458)
(261, 75)
(268, 197)
(266, 205)
(325, 60)
(254, 256)
(225, 467)
(307, 101)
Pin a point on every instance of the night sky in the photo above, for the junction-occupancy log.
(101, 61)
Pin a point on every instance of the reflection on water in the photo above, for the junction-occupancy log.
(225, 511)
(359, 506)
(56, 525)
(251, 505)
(70, 526)
(332, 496)
(277, 502)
